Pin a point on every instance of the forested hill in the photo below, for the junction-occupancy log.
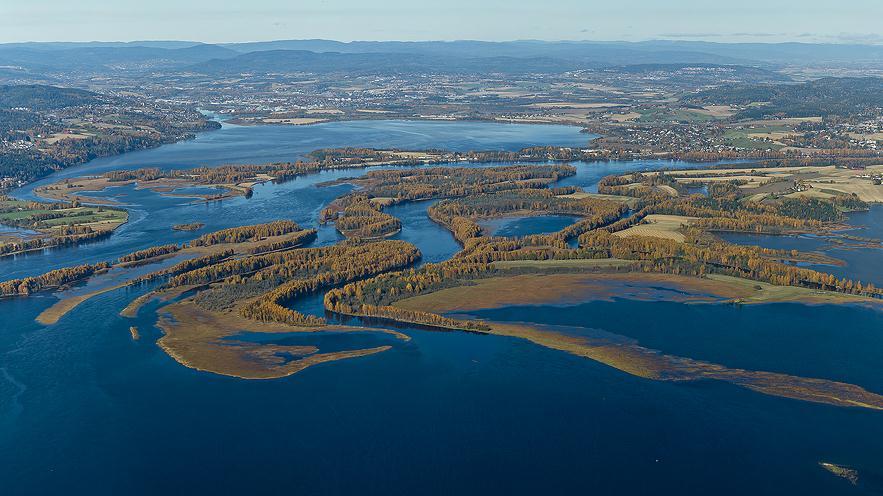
(302, 61)
(38, 97)
(827, 96)
(144, 57)
(46, 128)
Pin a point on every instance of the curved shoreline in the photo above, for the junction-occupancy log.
(200, 340)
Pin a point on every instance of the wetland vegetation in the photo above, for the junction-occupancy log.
(639, 228)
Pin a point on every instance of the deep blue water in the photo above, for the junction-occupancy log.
(86, 410)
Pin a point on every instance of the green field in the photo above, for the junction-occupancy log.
(740, 137)
(18, 213)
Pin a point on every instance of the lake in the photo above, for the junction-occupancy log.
(84, 409)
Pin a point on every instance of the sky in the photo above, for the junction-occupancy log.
(215, 21)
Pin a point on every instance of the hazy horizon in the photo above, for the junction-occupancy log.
(430, 40)
(754, 21)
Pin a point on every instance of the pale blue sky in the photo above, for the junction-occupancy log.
(632, 20)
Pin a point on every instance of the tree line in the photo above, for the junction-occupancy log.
(246, 233)
(50, 280)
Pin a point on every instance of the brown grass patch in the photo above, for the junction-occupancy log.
(195, 338)
(659, 226)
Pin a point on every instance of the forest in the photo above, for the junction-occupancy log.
(50, 280)
(362, 218)
(260, 286)
(246, 233)
(825, 96)
(56, 127)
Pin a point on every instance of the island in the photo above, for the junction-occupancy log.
(192, 226)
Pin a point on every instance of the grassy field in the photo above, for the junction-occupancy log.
(752, 138)
(659, 226)
(71, 217)
(36, 218)
(823, 180)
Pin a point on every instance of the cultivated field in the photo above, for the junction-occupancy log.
(659, 226)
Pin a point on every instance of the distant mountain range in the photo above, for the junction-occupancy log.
(40, 57)
(403, 57)
(602, 52)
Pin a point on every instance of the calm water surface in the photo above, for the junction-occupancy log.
(860, 263)
(86, 410)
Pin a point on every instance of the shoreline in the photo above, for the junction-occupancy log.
(16, 192)
(200, 339)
